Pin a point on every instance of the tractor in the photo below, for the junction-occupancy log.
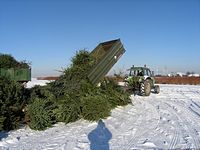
(141, 79)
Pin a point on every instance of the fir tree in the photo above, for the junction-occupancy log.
(12, 100)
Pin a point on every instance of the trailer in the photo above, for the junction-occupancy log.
(18, 74)
(106, 54)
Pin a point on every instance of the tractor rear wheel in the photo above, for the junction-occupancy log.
(145, 88)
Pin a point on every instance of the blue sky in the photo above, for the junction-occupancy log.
(164, 34)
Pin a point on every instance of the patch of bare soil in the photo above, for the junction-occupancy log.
(178, 80)
(48, 78)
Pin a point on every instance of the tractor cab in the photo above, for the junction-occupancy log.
(142, 79)
(140, 71)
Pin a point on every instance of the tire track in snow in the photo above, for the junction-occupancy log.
(141, 130)
(176, 133)
(174, 112)
(188, 127)
(128, 117)
(190, 109)
(194, 106)
(190, 122)
(161, 129)
(128, 120)
(165, 111)
(174, 140)
(184, 113)
(65, 140)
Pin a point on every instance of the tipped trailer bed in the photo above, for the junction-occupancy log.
(106, 54)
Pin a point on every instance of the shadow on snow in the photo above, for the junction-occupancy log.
(99, 137)
(3, 135)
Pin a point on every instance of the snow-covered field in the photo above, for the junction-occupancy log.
(169, 120)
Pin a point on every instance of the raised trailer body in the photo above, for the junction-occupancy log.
(106, 54)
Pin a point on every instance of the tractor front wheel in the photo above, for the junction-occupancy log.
(157, 89)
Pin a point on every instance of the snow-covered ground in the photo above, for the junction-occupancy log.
(169, 120)
(35, 82)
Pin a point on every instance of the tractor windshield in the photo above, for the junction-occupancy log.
(140, 72)
(136, 72)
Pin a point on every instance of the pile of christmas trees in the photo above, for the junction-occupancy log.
(13, 96)
(72, 97)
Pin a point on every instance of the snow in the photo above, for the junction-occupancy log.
(169, 120)
(35, 82)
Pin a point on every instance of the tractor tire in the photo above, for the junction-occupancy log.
(145, 88)
(156, 89)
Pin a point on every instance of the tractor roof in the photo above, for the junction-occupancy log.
(138, 68)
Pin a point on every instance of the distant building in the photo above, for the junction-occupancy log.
(180, 74)
(169, 75)
(172, 74)
(194, 75)
(177, 74)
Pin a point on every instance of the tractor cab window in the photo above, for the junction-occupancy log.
(133, 73)
(140, 73)
(147, 72)
(137, 73)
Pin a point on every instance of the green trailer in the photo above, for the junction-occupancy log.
(17, 74)
(106, 54)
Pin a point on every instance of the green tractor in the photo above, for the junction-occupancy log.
(141, 79)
